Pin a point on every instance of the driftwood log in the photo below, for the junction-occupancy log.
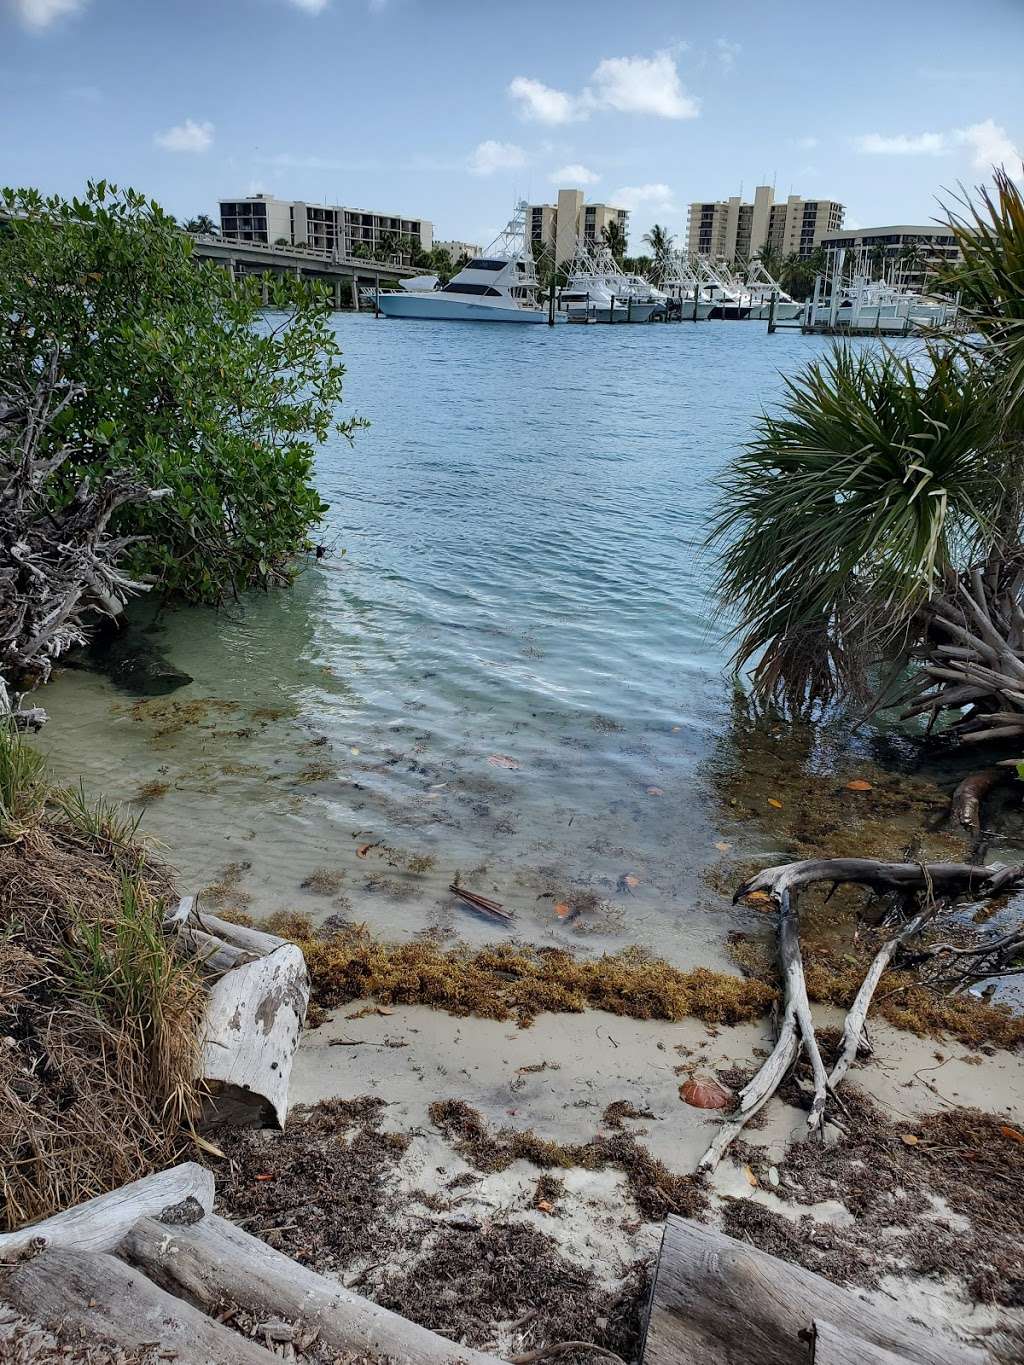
(831, 1346)
(99, 1224)
(719, 1301)
(934, 882)
(258, 990)
(94, 1296)
(212, 1262)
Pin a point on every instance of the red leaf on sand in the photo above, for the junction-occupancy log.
(503, 761)
(265, 1175)
(704, 1093)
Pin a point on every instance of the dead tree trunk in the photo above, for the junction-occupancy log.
(258, 990)
(717, 1301)
(212, 1262)
(97, 1297)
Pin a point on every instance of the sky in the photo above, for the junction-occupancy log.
(451, 110)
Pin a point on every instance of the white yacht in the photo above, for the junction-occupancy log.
(499, 286)
(763, 286)
(598, 291)
(685, 290)
(861, 303)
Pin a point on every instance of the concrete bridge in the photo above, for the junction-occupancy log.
(253, 258)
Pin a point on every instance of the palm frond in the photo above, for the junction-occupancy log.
(846, 510)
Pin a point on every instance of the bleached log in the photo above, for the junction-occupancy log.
(100, 1223)
(831, 1346)
(718, 1301)
(258, 990)
(212, 1262)
(91, 1295)
(254, 1014)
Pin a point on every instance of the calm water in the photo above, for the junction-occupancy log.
(523, 584)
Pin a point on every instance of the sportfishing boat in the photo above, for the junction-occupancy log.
(763, 289)
(598, 291)
(860, 303)
(685, 290)
(499, 286)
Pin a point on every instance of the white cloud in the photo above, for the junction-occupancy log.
(494, 156)
(902, 144)
(643, 85)
(311, 6)
(727, 53)
(988, 143)
(574, 174)
(991, 145)
(186, 137)
(541, 103)
(656, 196)
(630, 85)
(807, 143)
(41, 13)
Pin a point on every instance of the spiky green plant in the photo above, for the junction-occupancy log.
(23, 784)
(878, 480)
(846, 511)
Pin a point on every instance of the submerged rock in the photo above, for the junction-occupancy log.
(133, 663)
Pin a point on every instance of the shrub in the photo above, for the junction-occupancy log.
(183, 380)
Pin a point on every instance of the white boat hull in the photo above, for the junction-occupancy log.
(440, 307)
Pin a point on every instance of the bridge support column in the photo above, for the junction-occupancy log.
(355, 292)
(337, 294)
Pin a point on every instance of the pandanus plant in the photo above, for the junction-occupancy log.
(875, 518)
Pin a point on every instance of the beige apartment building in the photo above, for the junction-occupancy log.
(734, 230)
(917, 251)
(334, 230)
(456, 250)
(561, 226)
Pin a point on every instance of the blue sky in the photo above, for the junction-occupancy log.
(449, 110)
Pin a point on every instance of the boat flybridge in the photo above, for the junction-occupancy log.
(499, 286)
(762, 285)
(683, 285)
(598, 291)
(847, 295)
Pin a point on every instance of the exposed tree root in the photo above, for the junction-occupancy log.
(936, 882)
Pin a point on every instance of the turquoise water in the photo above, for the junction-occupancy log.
(514, 670)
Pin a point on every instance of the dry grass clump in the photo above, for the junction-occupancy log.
(99, 1015)
(518, 982)
(834, 976)
(656, 1190)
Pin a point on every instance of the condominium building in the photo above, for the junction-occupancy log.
(733, 230)
(333, 230)
(456, 250)
(562, 226)
(917, 251)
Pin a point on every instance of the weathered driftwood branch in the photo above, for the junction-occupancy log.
(258, 990)
(212, 1262)
(796, 1028)
(718, 1301)
(99, 1224)
(832, 1346)
(58, 560)
(95, 1296)
(975, 656)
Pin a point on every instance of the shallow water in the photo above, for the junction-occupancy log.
(513, 672)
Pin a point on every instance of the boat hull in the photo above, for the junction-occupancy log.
(596, 312)
(440, 308)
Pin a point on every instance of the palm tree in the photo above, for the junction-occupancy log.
(202, 225)
(661, 242)
(613, 235)
(876, 518)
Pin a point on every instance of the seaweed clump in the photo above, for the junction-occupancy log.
(938, 1196)
(834, 976)
(656, 1190)
(511, 981)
